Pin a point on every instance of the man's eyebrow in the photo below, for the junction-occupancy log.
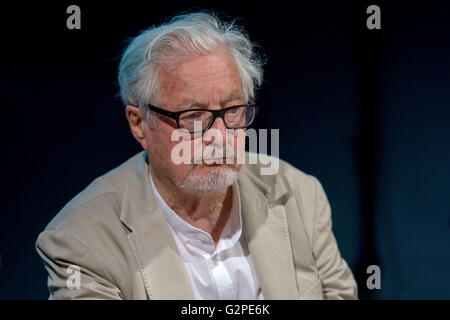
(188, 103)
(235, 95)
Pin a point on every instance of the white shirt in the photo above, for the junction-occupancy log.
(224, 272)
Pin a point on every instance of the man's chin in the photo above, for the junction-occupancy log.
(210, 178)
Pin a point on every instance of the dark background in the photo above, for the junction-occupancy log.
(365, 111)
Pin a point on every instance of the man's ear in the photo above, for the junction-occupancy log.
(137, 123)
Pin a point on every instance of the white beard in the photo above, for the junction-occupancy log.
(217, 179)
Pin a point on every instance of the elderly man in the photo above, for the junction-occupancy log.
(156, 228)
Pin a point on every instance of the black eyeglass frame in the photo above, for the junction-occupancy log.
(216, 113)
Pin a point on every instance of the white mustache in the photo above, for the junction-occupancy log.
(222, 155)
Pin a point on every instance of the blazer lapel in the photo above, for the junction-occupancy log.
(265, 227)
(160, 264)
(266, 230)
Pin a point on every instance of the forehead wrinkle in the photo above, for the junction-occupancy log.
(186, 85)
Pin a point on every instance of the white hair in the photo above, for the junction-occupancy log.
(184, 35)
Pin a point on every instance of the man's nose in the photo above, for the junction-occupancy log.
(219, 125)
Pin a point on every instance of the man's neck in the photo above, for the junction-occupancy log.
(206, 211)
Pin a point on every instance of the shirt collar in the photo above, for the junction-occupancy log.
(230, 234)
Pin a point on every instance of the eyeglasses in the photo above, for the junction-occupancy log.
(235, 117)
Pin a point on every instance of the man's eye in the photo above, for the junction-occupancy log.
(192, 116)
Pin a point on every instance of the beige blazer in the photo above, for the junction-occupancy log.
(115, 232)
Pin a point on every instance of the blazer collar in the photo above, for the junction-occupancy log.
(265, 227)
(267, 234)
(161, 266)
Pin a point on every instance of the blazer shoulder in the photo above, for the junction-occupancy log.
(285, 174)
(98, 202)
(289, 180)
